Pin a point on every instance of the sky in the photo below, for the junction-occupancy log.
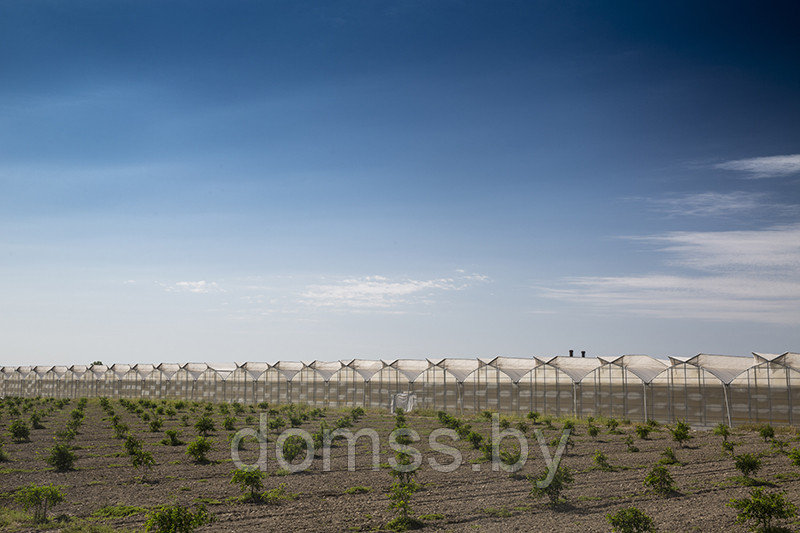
(239, 180)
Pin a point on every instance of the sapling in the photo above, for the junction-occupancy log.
(723, 431)
(198, 449)
(20, 432)
(668, 457)
(630, 520)
(61, 458)
(204, 425)
(767, 432)
(747, 464)
(132, 445)
(629, 443)
(763, 509)
(171, 438)
(593, 430)
(249, 479)
(532, 416)
(612, 424)
(659, 480)
(680, 433)
(3, 454)
(727, 447)
(143, 460)
(794, 455)
(561, 478)
(601, 460)
(643, 432)
(36, 420)
(177, 519)
(155, 425)
(39, 499)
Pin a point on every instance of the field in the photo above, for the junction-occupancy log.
(104, 492)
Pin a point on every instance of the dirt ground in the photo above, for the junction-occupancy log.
(471, 498)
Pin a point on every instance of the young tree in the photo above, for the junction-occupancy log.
(143, 460)
(561, 479)
(198, 449)
(405, 484)
(177, 519)
(659, 480)
(680, 433)
(249, 479)
(39, 499)
(630, 520)
(747, 464)
(763, 509)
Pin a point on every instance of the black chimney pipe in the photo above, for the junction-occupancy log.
(583, 353)
(570, 353)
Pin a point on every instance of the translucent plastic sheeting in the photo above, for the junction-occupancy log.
(366, 368)
(411, 369)
(515, 368)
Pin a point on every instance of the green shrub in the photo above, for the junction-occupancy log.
(132, 445)
(155, 425)
(61, 458)
(747, 464)
(630, 520)
(36, 420)
(593, 431)
(727, 447)
(763, 509)
(659, 480)
(20, 432)
(723, 431)
(3, 454)
(404, 485)
(205, 425)
(475, 439)
(612, 424)
(120, 430)
(198, 449)
(143, 460)
(65, 435)
(794, 455)
(680, 433)
(184, 420)
(643, 432)
(249, 479)
(561, 479)
(522, 427)
(601, 460)
(356, 413)
(293, 446)
(39, 499)
(629, 442)
(532, 416)
(229, 423)
(177, 519)
(668, 457)
(358, 490)
(344, 422)
(171, 438)
(767, 432)
(504, 423)
(276, 423)
(277, 495)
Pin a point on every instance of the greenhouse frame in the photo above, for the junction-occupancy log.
(703, 390)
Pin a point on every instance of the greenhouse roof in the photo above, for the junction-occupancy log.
(459, 368)
(513, 367)
(288, 369)
(576, 368)
(223, 370)
(366, 368)
(644, 367)
(724, 367)
(326, 369)
(411, 368)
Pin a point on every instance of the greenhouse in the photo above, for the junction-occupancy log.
(703, 390)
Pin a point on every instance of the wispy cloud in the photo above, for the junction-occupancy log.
(378, 292)
(734, 275)
(710, 204)
(199, 287)
(764, 167)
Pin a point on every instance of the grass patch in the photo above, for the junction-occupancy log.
(118, 511)
(433, 516)
(500, 512)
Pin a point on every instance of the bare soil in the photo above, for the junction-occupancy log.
(471, 498)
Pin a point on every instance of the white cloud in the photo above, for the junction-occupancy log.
(711, 204)
(734, 275)
(378, 292)
(765, 167)
(199, 287)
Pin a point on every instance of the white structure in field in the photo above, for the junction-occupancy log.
(703, 390)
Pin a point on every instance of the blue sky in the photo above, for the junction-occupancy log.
(211, 181)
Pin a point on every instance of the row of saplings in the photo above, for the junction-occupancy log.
(760, 509)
